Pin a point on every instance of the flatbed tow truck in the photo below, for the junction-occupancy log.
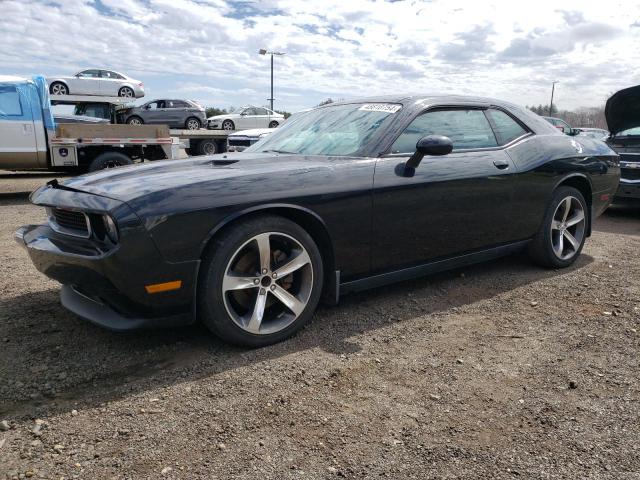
(30, 138)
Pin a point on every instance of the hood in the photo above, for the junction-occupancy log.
(622, 110)
(132, 182)
(221, 117)
(64, 118)
(254, 132)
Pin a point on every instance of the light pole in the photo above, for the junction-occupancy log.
(263, 51)
(553, 87)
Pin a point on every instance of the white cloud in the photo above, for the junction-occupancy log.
(208, 49)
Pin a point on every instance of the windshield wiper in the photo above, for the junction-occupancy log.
(277, 151)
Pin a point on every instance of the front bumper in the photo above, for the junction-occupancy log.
(109, 286)
(628, 190)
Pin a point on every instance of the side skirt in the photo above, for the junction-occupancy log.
(429, 268)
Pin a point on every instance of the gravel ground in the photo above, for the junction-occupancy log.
(502, 370)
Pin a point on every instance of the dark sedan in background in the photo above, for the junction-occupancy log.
(348, 196)
(174, 113)
(623, 118)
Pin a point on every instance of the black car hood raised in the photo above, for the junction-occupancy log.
(622, 110)
(128, 183)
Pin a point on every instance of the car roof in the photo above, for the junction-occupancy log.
(422, 100)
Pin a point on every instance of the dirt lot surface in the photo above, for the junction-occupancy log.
(502, 370)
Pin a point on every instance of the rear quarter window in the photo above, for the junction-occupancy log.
(506, 128)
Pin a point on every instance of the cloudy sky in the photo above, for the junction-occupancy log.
(207, 50)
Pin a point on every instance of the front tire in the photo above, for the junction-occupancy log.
(561, 237)
(135, 121)
(109, 160)
(260, 282)
(273, 124)
(228, 125)
(58, 88)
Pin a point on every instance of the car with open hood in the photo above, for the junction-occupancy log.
(622, 112)
(348, 196)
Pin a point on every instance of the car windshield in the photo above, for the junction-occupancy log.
(630, 132)
(332, 130)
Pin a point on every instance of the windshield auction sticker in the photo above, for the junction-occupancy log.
(380, 107)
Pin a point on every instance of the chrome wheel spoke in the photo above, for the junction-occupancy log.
(566, 205)
(572, 240)
(298, 262)
(291, 302)
(555, 224)
(264, 248)
(258, 312)
(577, 217)
(233, 282)
(559, 247)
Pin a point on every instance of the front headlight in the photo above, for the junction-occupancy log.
(110, 228)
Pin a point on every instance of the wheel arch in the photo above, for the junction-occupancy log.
(304, 217)
(57, 80)
(583, 184)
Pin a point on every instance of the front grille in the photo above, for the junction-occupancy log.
(630, 173)
(69, 222)
(237, 142)
(629, 157)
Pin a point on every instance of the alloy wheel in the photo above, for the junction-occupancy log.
(568, 228)
(126, 92)
(267, 283)
(58, 89)
(227, 125)
(193, 124)
(135, 121)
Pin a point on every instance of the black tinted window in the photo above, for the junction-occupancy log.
(466, 128)
(507, 129)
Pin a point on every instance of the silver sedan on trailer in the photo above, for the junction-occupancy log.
(105, 83)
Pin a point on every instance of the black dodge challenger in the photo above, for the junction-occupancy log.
(344, 197)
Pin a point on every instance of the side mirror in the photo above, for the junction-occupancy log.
(430, 145)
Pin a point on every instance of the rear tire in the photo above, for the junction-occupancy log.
(273, 124)
(126, 92)
(192, 123)
(254, 313)
(207, 147)
(109, 160)
(563, 232)
(58, 88)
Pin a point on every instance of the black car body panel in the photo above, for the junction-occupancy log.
(622, 112)
(370, 221)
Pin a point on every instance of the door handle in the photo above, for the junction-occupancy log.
(501, 164)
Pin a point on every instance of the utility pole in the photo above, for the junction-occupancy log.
(264, 51)
(553, 87)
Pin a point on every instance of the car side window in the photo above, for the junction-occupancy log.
(261, 111)
(10, 102)
(467, 128)
(180, 104)
(90, 74)
(250, 111)
(506, 128)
